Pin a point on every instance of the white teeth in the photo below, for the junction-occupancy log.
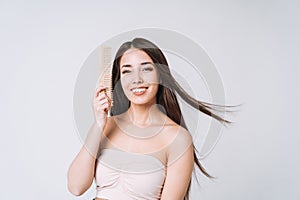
(138, 90)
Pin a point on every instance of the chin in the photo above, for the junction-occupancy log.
(141, 101)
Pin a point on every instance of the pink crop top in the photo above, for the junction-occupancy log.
(127, 176)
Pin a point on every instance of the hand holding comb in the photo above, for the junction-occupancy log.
(105, 66)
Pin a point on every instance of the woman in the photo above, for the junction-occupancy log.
(144, 151)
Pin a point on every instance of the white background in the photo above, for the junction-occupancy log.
(254, 45)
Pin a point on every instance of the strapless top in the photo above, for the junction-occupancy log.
(127, 176)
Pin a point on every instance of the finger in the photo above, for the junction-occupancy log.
(109, 99)
(99, 90)
(102, 105)
(102, 108)
(103, 101)
(101, 96)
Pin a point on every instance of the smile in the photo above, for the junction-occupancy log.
(139, 91)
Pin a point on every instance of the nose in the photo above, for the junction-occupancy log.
(137, 79)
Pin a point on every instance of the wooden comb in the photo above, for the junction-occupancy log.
(105, 66)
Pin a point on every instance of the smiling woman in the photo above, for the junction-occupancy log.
(139, 77)
(144, 150)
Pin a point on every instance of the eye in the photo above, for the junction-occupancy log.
(147, 69)
(126, 71)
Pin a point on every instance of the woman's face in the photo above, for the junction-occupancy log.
(139, 77)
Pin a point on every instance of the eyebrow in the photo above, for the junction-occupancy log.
(126, 66)
(143, 63)
(146, 63)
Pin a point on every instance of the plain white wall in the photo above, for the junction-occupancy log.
(254, 45)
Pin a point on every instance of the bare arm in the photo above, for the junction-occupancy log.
(180, 167)
(81, 171)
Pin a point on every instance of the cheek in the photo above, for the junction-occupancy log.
(126, 85)
(125, 81)
(155, 89)
(151, 78)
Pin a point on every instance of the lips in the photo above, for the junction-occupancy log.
(139, 90)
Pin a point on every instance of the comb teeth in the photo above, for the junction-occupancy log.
(106, 70)
(107, 78)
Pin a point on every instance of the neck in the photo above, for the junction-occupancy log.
(143, 114)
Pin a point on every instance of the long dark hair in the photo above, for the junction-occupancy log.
(166, 95)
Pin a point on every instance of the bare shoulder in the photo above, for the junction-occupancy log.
(175, 134)
(178, 144)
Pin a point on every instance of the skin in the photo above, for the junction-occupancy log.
(173, 143)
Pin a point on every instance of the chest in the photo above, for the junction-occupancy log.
(138, 141)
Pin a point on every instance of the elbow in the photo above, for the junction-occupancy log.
(78, 184)
(75, 190)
